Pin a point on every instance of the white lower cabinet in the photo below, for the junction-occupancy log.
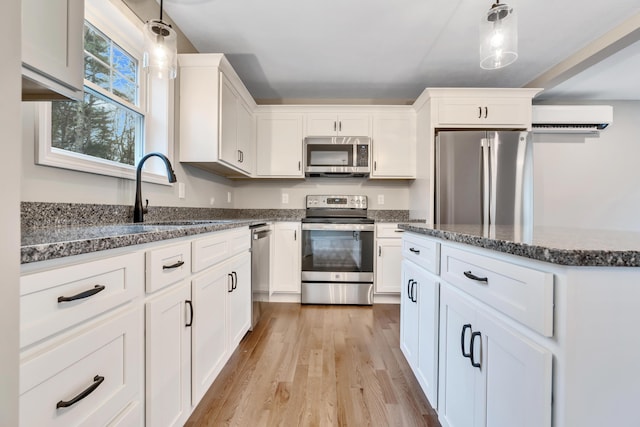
(286, 258)
(168, 356)
(89, 378)
(419, 326)
(388, 259)
(239, 302)
(490, 375)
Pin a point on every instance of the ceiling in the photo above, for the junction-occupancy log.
(390, 51)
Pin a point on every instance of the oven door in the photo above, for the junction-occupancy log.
(337, 252)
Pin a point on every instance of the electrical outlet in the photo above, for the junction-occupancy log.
(228, 196)
(285, 198)
(181, 190)
(381, 199)
(212, 201)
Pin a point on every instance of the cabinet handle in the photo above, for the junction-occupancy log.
(375, 165)
(398, 231)
(81, 295)
(335, 124)
(97, 380)
(295, 234)
(340, 125)
(175, 265)
(299, 165)
(470, 275)
(379, 250)
(241, 156)
(414, 296)
(234, 286)
(190, 322)
(473, 339)
(462, 335)
(409, 288)
(230, 289)
(238, 155)
(486, 112)
(415, 251)
(479, 112)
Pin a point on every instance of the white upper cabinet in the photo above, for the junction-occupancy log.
(216, 116)
(394, 145)
(52, 56)
(338, 124)
(279, 145)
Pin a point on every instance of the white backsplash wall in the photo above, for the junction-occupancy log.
(268, 194)
(595, 183)
(50, 184)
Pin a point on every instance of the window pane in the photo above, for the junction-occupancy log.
(96, 127)
(96, 72)
(97, 43)
(124, 88)
(124, 63)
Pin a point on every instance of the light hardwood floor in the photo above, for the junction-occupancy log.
(307, 365)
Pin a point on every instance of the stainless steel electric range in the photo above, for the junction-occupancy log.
(337, 251)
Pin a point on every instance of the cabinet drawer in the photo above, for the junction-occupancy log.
(494, 111)
(218, 247)
(109, 355)
(388, 230)
(423, 251)
(167, 265)
(98, 286)
(521, 293)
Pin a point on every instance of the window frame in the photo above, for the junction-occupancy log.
(125, 29)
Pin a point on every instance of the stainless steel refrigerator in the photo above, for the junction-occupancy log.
(483, 177)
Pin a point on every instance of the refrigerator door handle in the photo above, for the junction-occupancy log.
(486, 182)
(493, 178)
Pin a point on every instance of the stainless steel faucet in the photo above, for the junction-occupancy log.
(138, 209)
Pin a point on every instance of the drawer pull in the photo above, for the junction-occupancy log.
(415, 251)
(473, 340)
(470, 275)
(81, 295)
(462, 335)
(97, 380)
(175, 265)
(398, 231)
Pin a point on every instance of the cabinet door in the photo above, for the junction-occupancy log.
(409, 326)
(354, 124)
(228, 123)
(517, 378)
(286, 257)
(480, 111)
(279, 146)
(52, 39)
(388, 265)
(209, 330)
(428, 319)
(246, 141)
(239, 298)
(459, 382)
(394, 146)
(168, 357)
(322, 124)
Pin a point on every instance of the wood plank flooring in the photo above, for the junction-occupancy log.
(307, 365)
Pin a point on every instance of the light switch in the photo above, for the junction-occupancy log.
(181, 190)
(285, 198)
(228, 196)
(381, 199)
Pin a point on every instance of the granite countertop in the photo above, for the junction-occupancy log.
(45, 243)
(557, 245)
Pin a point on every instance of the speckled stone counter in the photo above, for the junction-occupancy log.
(563, 246)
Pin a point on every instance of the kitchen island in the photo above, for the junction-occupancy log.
(527, 327)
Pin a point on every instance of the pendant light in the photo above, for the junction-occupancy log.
(160, 49)
(498, 37)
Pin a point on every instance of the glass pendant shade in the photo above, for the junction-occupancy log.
(160, 57)
(498, 37)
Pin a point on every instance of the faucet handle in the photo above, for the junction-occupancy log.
(146, 206)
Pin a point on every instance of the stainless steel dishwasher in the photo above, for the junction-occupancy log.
(260, 272)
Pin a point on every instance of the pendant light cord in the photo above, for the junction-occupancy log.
(161, 10)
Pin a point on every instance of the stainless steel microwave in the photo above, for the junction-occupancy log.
(337, 156)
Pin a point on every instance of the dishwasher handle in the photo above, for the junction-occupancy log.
(257, 235)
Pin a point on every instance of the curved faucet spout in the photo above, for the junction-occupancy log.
(138, 210)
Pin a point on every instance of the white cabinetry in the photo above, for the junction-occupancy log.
(52, 56)
(492, 111)
(216, 116)
(286, 258)
(389, 258)
(340, 124)
(394, 146)
(279, 145)
(419, 314)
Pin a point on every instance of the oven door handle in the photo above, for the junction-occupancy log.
(338, 227)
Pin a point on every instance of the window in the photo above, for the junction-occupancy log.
(110, 130)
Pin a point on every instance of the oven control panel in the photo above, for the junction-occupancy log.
(342, 202)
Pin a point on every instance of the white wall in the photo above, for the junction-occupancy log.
(49, 184)
(9, 211)
(267, 194)
(595, 183)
